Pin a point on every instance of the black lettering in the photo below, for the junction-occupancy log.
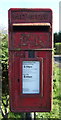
(29, 66)
(27, 76)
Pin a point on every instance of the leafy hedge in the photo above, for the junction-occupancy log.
(58, 48)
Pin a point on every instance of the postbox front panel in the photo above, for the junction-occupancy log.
(30, 62)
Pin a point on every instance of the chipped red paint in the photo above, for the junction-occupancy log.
(22, 40)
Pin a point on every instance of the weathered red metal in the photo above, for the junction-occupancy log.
(30, 40)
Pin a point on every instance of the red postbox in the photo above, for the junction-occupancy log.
(30, 59)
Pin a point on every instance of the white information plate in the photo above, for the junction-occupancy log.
(30, 77)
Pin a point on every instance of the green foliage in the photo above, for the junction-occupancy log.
(57, 43)
(57, 37)
(58, 48)
(4, 62)
(4, 44)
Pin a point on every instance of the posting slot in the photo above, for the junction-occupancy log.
(42, 27)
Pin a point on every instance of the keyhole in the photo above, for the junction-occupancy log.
(18, 80)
